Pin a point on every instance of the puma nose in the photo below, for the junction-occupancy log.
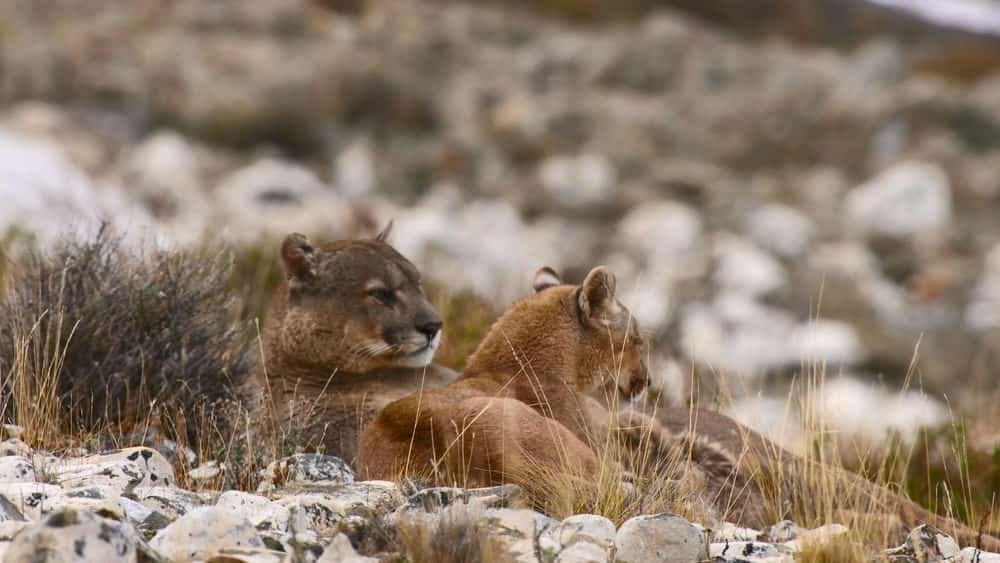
(430, 328)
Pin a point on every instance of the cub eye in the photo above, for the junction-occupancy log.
(383, 295)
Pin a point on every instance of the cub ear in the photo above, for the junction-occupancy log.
(597, 296)
(545, 278)
(383, 235)
(299, 257)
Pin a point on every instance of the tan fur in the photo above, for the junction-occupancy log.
(343, 339)
(531, 396)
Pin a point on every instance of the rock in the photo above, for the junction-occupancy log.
(100, 499)
(306, 468)
(865, 411)
(730, 532)
(354, 171)
(12, 431)
(927, 543)
(820, 535)
(206, 471)
(14, 446)
(781, 532)
(31, 499)
(749, 551)
(827, 342)
(973, 555)
(435, 498)
(9, 512)
(272, 197)
(43, 193)
(589, 528)
(515, 530)
(909, 199)
(742, 267)
(16, 469)
(579, 182)
(583, 552)
(659, 537)
(204, 531)
(668, 234)
(169, 501)
(123, 470)
(71, 535)
(340, 550)
(781, 229)
(248, 555)
(364, 498)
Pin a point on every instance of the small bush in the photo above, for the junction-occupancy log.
(131, 332)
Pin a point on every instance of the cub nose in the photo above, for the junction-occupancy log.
(430, 328)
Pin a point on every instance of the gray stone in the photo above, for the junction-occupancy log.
(589, 528)
(306, 468)
(206, 471)
(909, 199)
(16, 469)
(204, 531)
(123, 470)
(731, 532)
(583, 552)
(435, 498)
(781, 229)
(31, 499)
(248, 555)
(660, 537)
(973, 555)
(579, 181)
(749, 551)
(15, 447)
(169, 501)
(71, 535)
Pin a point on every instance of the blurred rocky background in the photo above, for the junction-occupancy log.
(785, 188)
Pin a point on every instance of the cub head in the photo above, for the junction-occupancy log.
(355, 306)
(609, 349)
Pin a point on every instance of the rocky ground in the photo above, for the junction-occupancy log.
(125, 506)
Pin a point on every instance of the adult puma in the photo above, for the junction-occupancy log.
(349, 332)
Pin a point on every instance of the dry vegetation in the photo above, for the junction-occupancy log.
(95, 339)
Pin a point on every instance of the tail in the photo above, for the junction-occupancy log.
(115, 337)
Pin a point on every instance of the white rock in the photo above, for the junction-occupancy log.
(169, 501)
(583, 552)
(354, 171)
(42, 192)
(578, 182)
(124, 470)
(773, 417)
(911, 198)
(973, 555)
(271, 197)
(516, 529)
(202, 532)
(300, 469)
(855, 408)
(248, 555)
(742, 267)
(589, 528)
(825, 341)
(668, 234)
(206, 471)
(749, 551)
(14, 446)
(71, 535)
(245, 505)
(781, 229)
(340, 550)
(102, 499)
(732, 533)
(31, 499)
(16, 469)
(781, 532)
(659, 537)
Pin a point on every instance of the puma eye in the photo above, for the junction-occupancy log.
(383, 295)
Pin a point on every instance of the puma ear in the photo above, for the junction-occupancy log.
(597, 296)
(383, 235)
(545, 278)
(299, 257)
